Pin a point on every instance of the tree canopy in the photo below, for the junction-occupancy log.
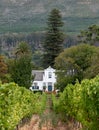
(90, 35)
(53, 43)
(21, 67)
(3, 69)
(77, 63)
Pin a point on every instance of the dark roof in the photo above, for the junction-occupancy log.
(38, 75)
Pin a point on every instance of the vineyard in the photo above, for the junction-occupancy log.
(17, 103)
(79, 102)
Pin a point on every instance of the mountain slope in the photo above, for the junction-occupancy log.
(31, 15)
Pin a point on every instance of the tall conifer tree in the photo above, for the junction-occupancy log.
(53, 43)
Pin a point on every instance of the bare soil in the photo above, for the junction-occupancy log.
(49, 121)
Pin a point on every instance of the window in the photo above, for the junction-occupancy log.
(49, 75)
(32, 87)
(37, 87)
(35, 84)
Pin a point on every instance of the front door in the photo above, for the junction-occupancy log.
(50, 86)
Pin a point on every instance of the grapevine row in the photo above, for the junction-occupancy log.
(81, 102)
(17, 103)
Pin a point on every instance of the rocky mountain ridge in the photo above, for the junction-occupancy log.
(31, 15)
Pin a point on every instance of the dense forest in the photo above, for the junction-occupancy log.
(9, 41)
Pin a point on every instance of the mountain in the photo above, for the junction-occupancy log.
(31, 15)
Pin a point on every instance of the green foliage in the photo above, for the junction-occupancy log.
(91, 35)
(4, 76)
(37, 58)
(53, 43)
(20, 68)
(93, 70)
(62, 81)
(81, 102)
(17, 103)
(10, 41)
(76, 63)
(22, 49)
(55, 103)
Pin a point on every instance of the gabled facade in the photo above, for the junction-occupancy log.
(44, 79)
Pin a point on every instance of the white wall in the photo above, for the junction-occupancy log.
(47, 79)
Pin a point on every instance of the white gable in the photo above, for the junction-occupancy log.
(43, 78)
(49, 75)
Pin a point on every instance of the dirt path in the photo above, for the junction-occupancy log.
(48, 121)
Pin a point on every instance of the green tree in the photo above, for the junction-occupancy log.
(21, 67)
(3, 67)
(91, 35)
(4, 76)
(22, 49)
(93, 70)
(77, 63)
(53, 43)
(37, 58)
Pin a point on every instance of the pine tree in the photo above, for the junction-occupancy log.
(53, 43)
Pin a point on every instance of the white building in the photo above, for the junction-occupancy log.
(44, 78)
